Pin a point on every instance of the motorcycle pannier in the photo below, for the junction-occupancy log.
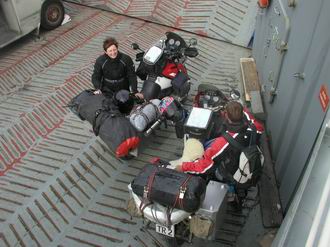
(169, 187)
(181, 84)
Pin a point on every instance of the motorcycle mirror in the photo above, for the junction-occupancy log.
(235, 94)
(135, 46)
(162, 41)
(193, 41)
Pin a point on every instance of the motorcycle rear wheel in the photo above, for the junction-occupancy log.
(174, 242)
(181, 231)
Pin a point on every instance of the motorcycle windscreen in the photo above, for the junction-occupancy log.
(150, 89)
(152, 55)
(199, 123)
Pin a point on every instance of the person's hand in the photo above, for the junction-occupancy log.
(139, 95)
(97, 91)
(178, 168)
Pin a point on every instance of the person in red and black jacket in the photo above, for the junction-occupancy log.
(218, 152)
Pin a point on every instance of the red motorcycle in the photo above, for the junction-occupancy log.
(162, 67)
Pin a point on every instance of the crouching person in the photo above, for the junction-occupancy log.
(114, 71)
(221, 158)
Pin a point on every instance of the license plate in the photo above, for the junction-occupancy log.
(167, 231)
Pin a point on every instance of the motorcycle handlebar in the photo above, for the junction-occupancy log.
(189, 52)
(176, 52)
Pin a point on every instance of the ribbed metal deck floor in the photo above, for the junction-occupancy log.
(229, 20)
(59, 184)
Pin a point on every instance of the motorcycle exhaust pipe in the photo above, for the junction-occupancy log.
(153, 127)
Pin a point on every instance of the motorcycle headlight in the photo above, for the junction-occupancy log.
(215, 99)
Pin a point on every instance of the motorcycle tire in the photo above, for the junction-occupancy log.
(181, 230)
(173, 242)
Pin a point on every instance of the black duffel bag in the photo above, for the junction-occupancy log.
(117, 132)
(86, 104)
(169, 187)
(107, 121)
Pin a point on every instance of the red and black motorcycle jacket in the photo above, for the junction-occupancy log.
(111, 75)
(220, 153)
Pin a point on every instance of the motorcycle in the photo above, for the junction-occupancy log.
(122, 121)
(181, 225)
(162, 67)
(205, 121)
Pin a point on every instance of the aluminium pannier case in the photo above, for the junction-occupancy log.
(170, 187)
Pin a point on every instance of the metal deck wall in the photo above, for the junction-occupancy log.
(229, 20)
(291, 49)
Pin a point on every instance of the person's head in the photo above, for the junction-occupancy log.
(234, 111)
(110, 46)
(124, 101)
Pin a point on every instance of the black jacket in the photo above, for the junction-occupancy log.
(111, 75)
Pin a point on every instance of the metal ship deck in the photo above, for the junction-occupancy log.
(59, 184)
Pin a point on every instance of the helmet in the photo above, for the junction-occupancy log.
(124, 101)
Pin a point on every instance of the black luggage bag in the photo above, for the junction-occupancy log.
(169, 187)
(107, 121)
(86, 104)
(117, 132)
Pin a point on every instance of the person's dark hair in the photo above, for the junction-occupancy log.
(109, 42)
(234, 111)
(124, 101)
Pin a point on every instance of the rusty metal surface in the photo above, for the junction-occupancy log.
(229, 20)
(59, 184)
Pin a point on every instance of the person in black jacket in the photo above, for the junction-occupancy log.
(114, 71)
